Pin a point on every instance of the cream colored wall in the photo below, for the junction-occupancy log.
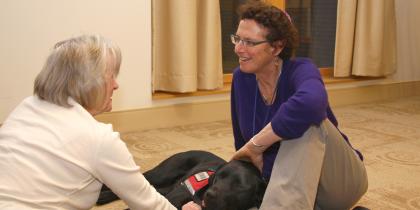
(30, 28)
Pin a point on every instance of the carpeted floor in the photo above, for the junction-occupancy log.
(387, 133)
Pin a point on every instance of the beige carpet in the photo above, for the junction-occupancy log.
(388, 134)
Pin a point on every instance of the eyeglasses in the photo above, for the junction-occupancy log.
(247, 43)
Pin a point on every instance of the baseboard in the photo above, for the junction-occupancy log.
(167, 116)
(347, 95)
(200, 112)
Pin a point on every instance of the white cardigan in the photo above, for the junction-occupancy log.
(52, 157)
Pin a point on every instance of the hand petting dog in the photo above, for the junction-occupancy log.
(251, 153)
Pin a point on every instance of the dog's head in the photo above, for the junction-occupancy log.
(237, 185)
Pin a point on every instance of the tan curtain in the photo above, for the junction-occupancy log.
(187, 52)
(366, 38)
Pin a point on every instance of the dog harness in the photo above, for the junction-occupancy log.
(197, 181)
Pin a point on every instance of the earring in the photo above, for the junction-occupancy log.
(277, 61)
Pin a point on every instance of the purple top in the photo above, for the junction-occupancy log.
(301, 101)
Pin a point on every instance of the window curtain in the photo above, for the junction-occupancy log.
(365, 38)
(187, 54)
(408, 40)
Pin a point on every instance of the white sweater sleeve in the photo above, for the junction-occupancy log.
(116, 168)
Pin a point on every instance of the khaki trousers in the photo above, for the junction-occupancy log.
(316, 171)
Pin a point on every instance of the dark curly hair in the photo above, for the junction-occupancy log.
(277, 22)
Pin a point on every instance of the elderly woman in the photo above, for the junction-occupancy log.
(53, 153)
(282, 121)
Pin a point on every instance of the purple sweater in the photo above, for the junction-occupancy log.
(301, 101)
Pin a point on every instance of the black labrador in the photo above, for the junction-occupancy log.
(206, 179)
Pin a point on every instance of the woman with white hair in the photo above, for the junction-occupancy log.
(53, 153)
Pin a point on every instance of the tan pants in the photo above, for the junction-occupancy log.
(316, 171)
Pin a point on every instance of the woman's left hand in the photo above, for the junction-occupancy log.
(191, 206)
(253, 151)
(249, 152)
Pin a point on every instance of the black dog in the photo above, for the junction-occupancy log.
(205, 178)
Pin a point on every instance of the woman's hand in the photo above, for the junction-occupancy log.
(253, 150)
(191, 206)
(252, 153)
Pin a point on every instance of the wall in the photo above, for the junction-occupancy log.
(30, 28)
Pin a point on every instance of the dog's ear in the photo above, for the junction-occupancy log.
(261, 187)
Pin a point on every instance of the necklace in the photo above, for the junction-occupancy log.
(265, 102)
(271, 101)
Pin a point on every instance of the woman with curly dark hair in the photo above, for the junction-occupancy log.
(282, 121)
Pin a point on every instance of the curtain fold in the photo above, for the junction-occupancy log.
(187, 53)
(365, 38)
